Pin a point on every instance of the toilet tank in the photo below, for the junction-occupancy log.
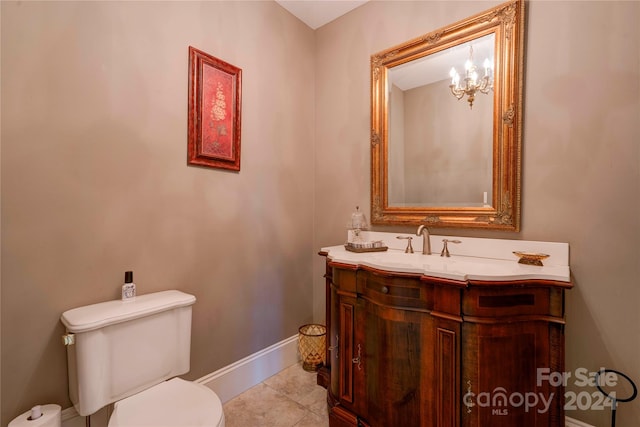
(124, 347)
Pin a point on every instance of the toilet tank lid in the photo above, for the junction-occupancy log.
(95, 316)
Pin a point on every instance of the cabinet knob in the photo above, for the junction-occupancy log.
(385, 290)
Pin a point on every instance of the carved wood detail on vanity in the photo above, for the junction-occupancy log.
(409, 350)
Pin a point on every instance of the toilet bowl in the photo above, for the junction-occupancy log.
(130, 353)
(172, 403)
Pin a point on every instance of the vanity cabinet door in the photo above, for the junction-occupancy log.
(347, 384)
(351, 373)
(398, 364)
(345, 398)
(410, 356)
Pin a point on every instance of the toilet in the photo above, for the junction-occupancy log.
(130, 353)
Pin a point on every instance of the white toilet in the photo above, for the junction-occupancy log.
(129, 352)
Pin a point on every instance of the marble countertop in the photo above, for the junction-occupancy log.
(472, 259)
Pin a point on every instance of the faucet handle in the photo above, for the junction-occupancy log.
(409, 249)
(445, 249)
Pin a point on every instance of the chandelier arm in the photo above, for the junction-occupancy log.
(482, 87)
(458, 93)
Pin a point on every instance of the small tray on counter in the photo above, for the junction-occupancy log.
(365, 247)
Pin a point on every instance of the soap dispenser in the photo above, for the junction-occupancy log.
(356, 224)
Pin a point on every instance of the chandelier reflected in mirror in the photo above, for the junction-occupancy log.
(471, 84)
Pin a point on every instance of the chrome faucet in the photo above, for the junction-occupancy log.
(426, 244)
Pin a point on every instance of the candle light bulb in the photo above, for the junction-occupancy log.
(487, 65)
(453, 73)
(468, 65)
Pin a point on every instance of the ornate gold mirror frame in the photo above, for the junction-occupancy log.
(506, 23)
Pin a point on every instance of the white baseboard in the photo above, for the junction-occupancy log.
(570, 422)
(227, 382)
(240, 376)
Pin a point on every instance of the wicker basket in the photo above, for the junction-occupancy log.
(312, 341)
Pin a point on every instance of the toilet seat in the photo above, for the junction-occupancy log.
(175, 402)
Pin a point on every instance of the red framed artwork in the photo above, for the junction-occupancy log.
(214, 112)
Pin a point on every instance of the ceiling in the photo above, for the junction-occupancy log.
(436, 66)
(316, 13)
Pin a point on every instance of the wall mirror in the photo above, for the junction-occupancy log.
(443, 156)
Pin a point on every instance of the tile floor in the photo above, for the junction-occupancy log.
(291, 398)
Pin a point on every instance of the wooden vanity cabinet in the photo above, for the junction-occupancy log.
(384, 337)
(404, 349)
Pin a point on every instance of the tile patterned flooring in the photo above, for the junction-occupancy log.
(291, 398)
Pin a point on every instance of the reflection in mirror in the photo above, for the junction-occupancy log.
(439, 156)
(458, 140)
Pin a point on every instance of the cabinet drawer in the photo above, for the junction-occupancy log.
(395, 291)
(510, 301)
(344, 280)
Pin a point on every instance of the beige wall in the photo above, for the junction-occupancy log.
(95, 181)
(458, 141)
(395, 149)
(581, 159)
(94, 175)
